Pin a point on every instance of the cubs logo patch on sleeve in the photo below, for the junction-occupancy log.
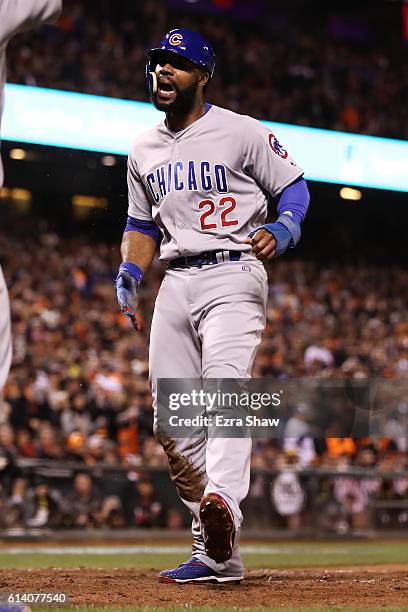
(277, 147)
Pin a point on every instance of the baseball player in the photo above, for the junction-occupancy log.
(200, 183)
(15, 16)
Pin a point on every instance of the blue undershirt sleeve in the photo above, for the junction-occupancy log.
(294, 201)
(149, 228)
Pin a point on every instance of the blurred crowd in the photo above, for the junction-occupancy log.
(282, 498)
(344, 71)
(81, 501)
(78, 389)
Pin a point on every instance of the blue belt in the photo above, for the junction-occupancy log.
(204, 259)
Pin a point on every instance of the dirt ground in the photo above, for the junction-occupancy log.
(375, 586)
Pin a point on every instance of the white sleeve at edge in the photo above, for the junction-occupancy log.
(19, 15)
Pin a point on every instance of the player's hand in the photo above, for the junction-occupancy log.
(126, 292)
(263, 245)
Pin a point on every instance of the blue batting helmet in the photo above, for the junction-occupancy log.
(186, 43)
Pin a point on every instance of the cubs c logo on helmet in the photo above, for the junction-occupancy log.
(277, 147)
(176, 39)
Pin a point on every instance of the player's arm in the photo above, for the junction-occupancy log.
(272, 167)
(139, 243)
(138, 247)
(273, 239)
(19, 15)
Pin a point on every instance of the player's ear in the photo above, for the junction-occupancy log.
(204, 78)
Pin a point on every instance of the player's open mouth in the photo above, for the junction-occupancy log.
(166, 90)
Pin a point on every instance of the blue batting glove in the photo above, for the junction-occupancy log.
(127, 282)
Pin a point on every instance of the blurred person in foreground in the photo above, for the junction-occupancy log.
(15, 16)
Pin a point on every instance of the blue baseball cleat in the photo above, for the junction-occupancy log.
(194, 570)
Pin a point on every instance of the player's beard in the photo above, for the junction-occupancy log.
(183, 102)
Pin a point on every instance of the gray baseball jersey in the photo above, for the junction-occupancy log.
(15, 16)
(207, 186)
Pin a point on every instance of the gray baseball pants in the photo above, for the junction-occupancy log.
(207, 323)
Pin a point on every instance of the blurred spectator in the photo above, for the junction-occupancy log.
(24, 444)
(47, 445)
(300, 423)
(83, 505)
(354, 494)
(174, 519)
(7, 439)
(14, 505)
(332, 514)
(42, 505)
(111, 515)
(95, 450)
(76, 417)
(142, 508)
(393, 512)
(288, 496)
(152, 454)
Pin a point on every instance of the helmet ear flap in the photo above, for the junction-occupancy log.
(153, 82)
(151, 78)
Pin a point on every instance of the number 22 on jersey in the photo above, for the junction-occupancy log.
(217, 215)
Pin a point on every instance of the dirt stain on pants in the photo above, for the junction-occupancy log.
(189, 479)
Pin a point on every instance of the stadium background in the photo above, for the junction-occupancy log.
(77, 456)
